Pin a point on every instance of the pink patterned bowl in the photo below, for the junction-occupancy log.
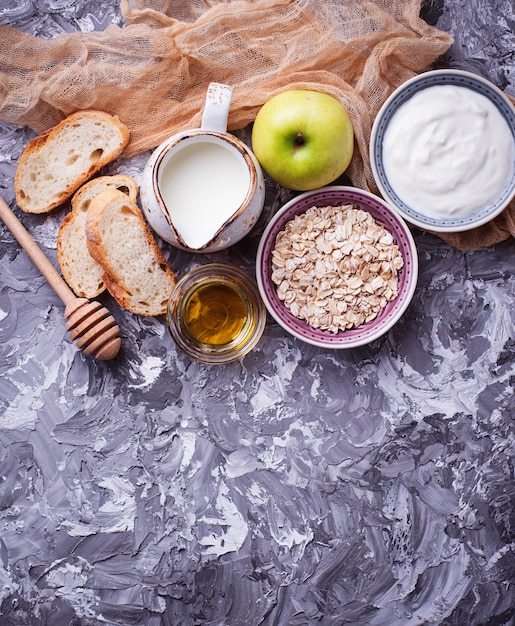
(385, 216)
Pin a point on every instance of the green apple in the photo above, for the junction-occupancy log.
(303, 139)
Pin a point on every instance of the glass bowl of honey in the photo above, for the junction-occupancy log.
(215, 313)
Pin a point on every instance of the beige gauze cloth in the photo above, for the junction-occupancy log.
(154, 72)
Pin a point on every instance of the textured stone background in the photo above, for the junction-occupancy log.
(296, 487)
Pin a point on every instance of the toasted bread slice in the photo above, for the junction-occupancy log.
(79, 269)
(118, 238)
(55, 164)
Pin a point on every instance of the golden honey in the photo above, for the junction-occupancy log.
(214, 312)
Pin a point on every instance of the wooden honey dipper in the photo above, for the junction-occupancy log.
(90, 324)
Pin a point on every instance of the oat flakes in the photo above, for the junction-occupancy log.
(335, 267)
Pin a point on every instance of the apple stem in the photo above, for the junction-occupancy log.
(300, 139)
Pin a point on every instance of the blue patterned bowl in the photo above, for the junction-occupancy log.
(400, 96)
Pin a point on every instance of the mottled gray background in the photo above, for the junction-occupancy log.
(298, 486)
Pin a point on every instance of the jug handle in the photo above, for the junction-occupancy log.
(216, 108)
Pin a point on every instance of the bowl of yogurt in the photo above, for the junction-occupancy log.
(442, 150)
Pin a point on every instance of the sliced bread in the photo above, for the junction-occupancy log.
(82, 273)
(135, 270)
(55, 164)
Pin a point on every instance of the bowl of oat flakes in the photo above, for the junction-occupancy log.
(337, 267)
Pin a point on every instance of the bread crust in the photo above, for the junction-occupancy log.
(136, 273)
(82, 273)
(46, 175)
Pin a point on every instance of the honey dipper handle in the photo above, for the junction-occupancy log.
(35, 254)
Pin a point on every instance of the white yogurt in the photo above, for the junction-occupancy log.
(447, 151)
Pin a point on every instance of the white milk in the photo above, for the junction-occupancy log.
(202, 186)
